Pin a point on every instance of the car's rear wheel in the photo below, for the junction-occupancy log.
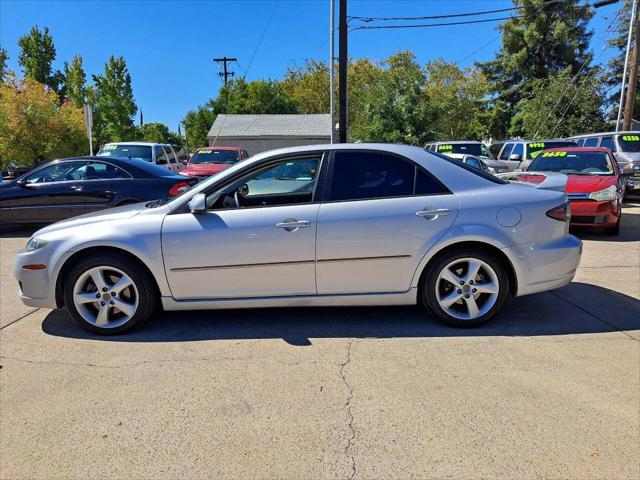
(465, 288)
(108, 294)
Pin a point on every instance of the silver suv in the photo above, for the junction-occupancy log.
(159, 153)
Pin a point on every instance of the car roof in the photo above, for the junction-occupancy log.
(454, 142)
(144, 144)
(220, 148)
(622, 132)
(542, 140)
(577, 149)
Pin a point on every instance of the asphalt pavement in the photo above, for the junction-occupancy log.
(550, 389)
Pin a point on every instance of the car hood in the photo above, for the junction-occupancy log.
(117, 213)
(588, 183)
(204, 168)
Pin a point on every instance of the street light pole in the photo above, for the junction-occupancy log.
(626, 62)
(332, 108)
(342, 72)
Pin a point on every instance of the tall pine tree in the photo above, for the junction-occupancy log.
(75, 81)
(544, 40)
(36, 57)
(115, 107)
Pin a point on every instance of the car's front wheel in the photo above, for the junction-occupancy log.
(108, 294)
(465, 288)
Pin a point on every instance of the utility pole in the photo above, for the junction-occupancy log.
(342, 72)
(633, 76)
(225, 72)
(632, 20)
(332, 107)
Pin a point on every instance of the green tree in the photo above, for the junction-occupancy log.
(615, 66)
(308, 87)
(4, 56)
(458, 97)
(157, 132)
(541, 115)
(115, 107)
(547, 39)
(257, 96)
(197, 124)
(54, 130)
(395, 107)
(36, 57)
(75, 81)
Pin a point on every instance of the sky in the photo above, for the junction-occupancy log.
(169, 45)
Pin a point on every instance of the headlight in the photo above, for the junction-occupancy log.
(35, 244)
(604, 195)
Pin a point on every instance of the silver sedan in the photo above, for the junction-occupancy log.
(318, 225)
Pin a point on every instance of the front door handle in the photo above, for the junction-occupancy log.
(77, 188)
(291, 224)
(433, 214)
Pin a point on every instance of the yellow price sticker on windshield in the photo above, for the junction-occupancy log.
(445, 147)
(205, 152)
(554, 154)
(631, 138)
(536, 145)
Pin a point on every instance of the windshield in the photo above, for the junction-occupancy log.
(476, 149)
(576, 163)
(535, 148)
(141, 152)
(215, 156)
(629, 143)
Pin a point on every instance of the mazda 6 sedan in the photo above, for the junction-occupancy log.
(318, 225)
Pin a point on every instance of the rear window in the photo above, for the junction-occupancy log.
(475, 149)
(475, 171)
(576, 163)
(140, 152)
(216, 156)
(535, 148)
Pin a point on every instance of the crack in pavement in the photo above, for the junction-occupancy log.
(347, 449)
(19, 318)
(169, 360)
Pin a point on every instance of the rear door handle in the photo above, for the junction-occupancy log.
(291, 224)
(77, 188)
(433, 214)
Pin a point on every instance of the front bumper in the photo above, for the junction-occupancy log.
(590, 213)
(35, 287)
(542, 267)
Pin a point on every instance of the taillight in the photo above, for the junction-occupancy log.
(561, 212)
(179, 188)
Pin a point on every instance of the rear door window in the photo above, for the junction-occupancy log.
(591, 142)
(506, 151)
(607, 142)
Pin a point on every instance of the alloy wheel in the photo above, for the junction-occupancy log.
(467, 288)
(105, 297)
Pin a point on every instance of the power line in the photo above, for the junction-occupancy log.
(444, 24)
(275, 6)
(225, 72)
(452, 15)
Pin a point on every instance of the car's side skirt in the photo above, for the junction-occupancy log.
(399, 298)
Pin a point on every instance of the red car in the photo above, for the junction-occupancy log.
(595, 186)
(210, 160)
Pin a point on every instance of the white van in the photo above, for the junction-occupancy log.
(159, 153)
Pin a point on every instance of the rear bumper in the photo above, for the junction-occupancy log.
(541, 267)
(589, 213)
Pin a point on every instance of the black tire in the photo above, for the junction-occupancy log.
(428, 287)
(146, 291)
(615, 230)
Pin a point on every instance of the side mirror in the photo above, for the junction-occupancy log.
(22, 183)
(515, 157)
(198, 203)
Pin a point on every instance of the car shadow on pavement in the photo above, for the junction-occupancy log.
(551, 313)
